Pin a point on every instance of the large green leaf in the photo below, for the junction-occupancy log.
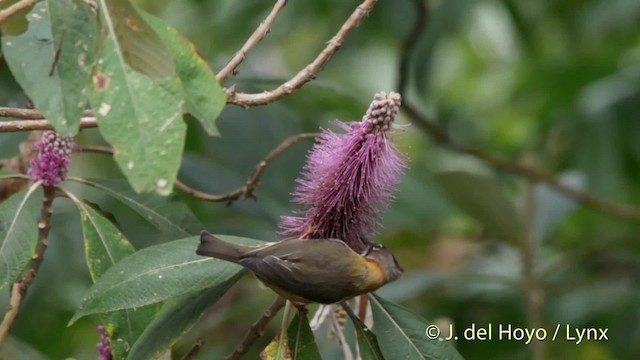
(481, 198)
(367, 341)
(18, 232)
(138, 44)
(172, 218)
(204, 96)
(52, 60)
(176, 317)
(401, 334)
(105, 245)
(302, 344)
(158, 273)
(139, 115)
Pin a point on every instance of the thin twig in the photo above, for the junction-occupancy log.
(256, 330)
(20, 287)
(310, 71)
(533, 174)
(261, 31)
(30, 125)
(243, 192)
(531, 287)
(248, 189)
(195, 349)
(23, 4)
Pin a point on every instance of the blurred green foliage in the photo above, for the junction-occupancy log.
(552, 82)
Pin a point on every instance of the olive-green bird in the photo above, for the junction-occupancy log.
(325, 271)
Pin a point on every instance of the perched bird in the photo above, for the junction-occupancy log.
(325, 271)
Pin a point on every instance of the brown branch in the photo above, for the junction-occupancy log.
(20, 287)
(533, 174)
(261, 31)
(30, 125)
(243, 192)
(310, 71)
(532, 289)
(195, 349)
(11, 10)
(248, 190)
(256, 330)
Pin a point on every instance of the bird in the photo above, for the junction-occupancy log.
(325, 271)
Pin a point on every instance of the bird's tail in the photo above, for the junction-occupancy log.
(217, 248)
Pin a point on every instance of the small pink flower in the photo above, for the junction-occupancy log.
(51, 164)
(349, 179)
(103, 347)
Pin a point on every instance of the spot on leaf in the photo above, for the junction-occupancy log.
(132, 23)
(101, 81)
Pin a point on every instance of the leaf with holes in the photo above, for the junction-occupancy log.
(157, 273)
(139, 112)
(52, 60)
(18, 232)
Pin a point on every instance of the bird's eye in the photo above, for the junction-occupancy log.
(378, 246)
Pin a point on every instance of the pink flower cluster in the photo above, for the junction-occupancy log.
(349, 179)
(51, 164)
(103, 348)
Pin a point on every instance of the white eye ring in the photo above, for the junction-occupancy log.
(378, 246)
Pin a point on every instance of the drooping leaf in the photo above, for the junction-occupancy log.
(367, 341)
(401, 334)
(158, 273)
(139, 112)
(18, 232)
(175, 318)
(481, 198)
(302, 344)
(138, 44)
(52, 60)
(204, 96)
(105, 245)
(170, 217)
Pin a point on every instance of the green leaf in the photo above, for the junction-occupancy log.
(367, 341)
(105, 245)
(137, 43)
(18, 232)
(55, 83)
(481, 198)
(176, 317)
(401, 334)
(158, 273)
(14, 349)
(139, 115)
(204, 96)
(170, 217)
(302, 344)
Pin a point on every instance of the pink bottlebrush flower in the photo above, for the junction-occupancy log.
(51, 164)
(103, 347)
(349, 179)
